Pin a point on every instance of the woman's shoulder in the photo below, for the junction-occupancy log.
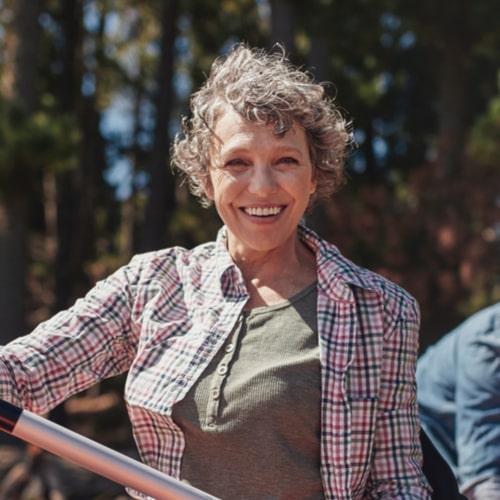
(335, 268)
(168, 261)
(173, 254)
(368, 283)
(356, 273)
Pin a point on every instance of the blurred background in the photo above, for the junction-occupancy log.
(91, 94)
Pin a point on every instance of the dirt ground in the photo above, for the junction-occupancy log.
(29, 474)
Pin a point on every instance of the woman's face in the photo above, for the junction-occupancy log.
(260, 183)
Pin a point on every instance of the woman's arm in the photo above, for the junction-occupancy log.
(76, 348)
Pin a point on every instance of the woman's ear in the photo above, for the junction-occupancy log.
(312, 189)
(208, 188)
(313, 184)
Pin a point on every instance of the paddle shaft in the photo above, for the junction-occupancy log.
(93, 456)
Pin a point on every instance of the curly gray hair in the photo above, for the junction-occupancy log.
(263, 87)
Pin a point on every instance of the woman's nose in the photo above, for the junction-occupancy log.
(262, 180)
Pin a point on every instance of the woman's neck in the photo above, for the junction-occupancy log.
(271, 278)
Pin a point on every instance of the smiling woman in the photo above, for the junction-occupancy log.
(263, 364)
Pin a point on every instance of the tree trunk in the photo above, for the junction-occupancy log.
(67, 193)
(162, 186)
(21, 42)
(452, 99)
(282, 25)
(18, 85)
(12, 267)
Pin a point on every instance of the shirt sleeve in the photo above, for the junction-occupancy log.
(76, 348)
(397, 466)
(477, 417)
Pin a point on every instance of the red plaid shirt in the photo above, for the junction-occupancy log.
(162, 318)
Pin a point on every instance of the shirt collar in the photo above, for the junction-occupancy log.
(228, 273)
(336, 274)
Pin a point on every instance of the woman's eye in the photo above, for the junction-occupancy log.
(236, 162)
(235, 165)
(287, 160)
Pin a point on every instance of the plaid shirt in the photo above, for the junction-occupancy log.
(163, 317)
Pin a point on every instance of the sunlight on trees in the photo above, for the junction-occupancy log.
(99, 85)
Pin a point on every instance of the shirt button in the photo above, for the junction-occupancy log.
(229, 347)
(222, 370)
(215, 393)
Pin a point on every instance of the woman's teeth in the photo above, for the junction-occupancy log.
(263, 212)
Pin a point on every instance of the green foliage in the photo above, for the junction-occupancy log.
(211, 26)
(193, 224)
(384, 58)
(484, 140)
(30, 144)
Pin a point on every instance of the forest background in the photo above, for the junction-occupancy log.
(92, 92)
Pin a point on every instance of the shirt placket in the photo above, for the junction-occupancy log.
(219, 378)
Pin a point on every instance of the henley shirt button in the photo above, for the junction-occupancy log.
(229, 347)
(215, 393)
(222, 370)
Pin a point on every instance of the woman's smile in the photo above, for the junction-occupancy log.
(263, 211)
